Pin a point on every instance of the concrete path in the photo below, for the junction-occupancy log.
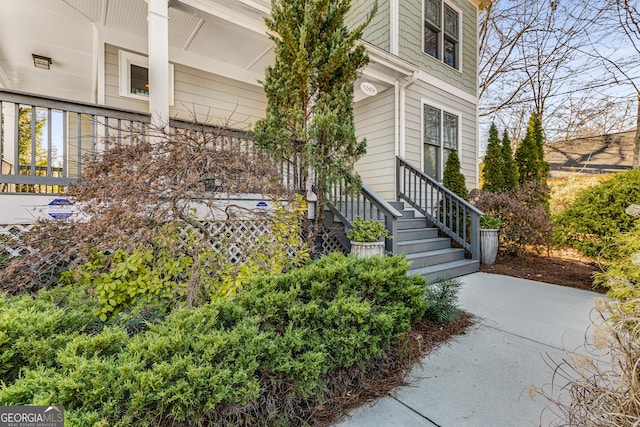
(481, 379)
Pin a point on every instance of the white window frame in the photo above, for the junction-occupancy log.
(443, 109)
(126, 59)
(440, 57)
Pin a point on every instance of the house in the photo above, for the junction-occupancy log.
(591, 155)
(141, 61)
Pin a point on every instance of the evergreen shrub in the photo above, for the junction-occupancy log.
(262, 357)
(493, 171)
(452, 178)
(596, 218)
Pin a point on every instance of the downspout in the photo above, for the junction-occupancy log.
(400, 87)
(404, 84)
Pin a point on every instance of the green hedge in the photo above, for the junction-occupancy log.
(593, 222)
(245, 360)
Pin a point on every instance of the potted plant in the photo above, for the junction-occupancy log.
(365, 237)
(489, 229)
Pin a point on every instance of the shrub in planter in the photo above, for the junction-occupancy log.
(489, 238)
(367, 230)
(490, 222)
(365, 237)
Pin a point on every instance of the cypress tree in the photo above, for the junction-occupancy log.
(492, 173)
(452, 178)
(530, 154)
(531, 164)
(510, 168)
(309, 90)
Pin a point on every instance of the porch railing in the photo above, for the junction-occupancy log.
(454, 216)
(44, 142)
(346, 206)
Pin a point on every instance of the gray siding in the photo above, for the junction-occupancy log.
(209, 97)
(410, 44)
(375, 121)
(215, 99)
(112, 81)
(420, 91)
(377, 32)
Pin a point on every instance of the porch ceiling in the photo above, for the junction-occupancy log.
(226, 37)
(69, 31)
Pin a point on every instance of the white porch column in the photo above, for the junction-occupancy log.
(9, 141)
(158, 18)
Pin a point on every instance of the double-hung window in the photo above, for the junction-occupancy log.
(442, 32)
(440, 138)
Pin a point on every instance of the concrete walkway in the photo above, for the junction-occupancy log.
(481, 379)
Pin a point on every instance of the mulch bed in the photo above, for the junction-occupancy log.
(355, 387)
(559, 268)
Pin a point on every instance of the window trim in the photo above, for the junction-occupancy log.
(441, 36)
(443, 109)
(125, 60)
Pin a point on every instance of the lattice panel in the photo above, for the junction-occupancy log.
(237, 238)
(11, 241)
(331, 243)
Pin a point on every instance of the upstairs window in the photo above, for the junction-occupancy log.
(442, 32)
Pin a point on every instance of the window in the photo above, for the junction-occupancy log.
(440, 137)
(134, 76)
(442, 32)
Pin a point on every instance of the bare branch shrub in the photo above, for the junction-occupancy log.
(127, 193)
(525, 221)
(602, 379)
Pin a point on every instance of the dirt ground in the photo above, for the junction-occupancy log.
(560, 267)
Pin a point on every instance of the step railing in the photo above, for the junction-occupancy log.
(44, 141)
(454, 216)
(346, 205)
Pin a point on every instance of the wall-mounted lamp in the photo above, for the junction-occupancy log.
(40, 61)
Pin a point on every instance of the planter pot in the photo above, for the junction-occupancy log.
(488, 245)
(367, 249)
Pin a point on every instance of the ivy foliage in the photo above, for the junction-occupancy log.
(251, 359)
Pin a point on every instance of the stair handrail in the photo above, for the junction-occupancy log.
(453, 215)
(367, 204)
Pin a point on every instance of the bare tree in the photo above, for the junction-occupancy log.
(540, 57)
(629, 17)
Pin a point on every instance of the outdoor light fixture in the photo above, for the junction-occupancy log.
(40, 61)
